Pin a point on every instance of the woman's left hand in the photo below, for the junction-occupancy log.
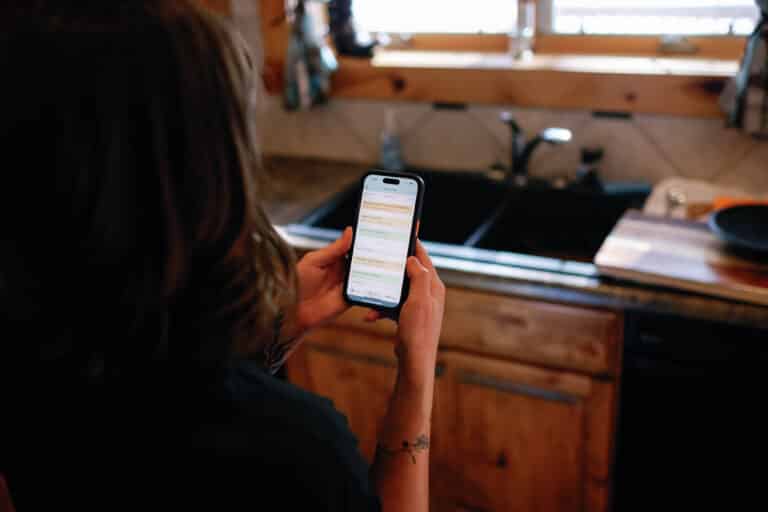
(321, 280)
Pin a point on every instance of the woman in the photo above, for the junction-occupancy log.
(142, 288)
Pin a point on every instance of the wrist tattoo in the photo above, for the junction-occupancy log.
(421, 444)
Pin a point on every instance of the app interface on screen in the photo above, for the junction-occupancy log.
(383, 234)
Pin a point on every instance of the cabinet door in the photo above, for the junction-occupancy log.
(355, 371)
(517, 440)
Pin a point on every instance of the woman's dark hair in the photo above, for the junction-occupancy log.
(132, 230)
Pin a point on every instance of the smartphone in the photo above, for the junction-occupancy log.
(384, 237)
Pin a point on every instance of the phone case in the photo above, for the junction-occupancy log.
(387, 312)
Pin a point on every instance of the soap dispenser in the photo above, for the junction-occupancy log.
(390, 157)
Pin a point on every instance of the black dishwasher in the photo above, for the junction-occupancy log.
(690, 419)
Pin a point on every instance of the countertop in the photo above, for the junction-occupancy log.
(298, 186)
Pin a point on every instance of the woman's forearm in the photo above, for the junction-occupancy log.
(400, 470)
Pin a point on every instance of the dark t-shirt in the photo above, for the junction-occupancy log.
(253, 442)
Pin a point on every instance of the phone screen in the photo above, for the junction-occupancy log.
(384, 227)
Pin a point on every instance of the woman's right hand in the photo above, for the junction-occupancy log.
(421, 317)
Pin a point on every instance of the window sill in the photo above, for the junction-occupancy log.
(602, 64)
(676, 86)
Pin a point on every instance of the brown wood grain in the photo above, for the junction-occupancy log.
(515, 451)
(600, 442)
(274, 28)
(580, 339)
(681, 254)
(445, 464)
(505, 435)
(545, 88)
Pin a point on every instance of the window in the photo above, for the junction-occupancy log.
(650, 17)
(628, 17)
(436, 16)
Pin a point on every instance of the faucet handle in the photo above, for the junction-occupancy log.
(508, 119)
(591, 154)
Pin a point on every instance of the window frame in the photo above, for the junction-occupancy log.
(641, 78)
(706, 47)
(728, 47)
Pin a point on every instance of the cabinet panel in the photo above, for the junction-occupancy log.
(558, 336)
(517, 439)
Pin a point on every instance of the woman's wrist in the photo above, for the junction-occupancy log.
(416, 366)
(295, 323)
(410, 404)
(415, 377)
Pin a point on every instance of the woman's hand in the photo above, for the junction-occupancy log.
(320, 276)
(421, 317)
(321, 279)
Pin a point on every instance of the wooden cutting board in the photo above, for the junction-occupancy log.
(681, 254)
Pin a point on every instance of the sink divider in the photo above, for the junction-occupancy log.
(486, 226)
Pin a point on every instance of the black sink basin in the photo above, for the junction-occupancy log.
(468, 209)
(562, 224)
(455, 204)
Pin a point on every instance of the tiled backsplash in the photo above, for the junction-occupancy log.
(645, 147)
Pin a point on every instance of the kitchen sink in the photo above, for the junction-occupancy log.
(455, 204)
(473, 211)
(562, 224)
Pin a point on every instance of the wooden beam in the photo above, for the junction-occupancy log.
(563, 74)
(646, 92)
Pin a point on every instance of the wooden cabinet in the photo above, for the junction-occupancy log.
(520, 438)
(553, 335)
(525, 399)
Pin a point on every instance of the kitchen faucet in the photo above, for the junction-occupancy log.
(521, 151)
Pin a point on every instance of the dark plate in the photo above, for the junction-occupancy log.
(745, 227)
